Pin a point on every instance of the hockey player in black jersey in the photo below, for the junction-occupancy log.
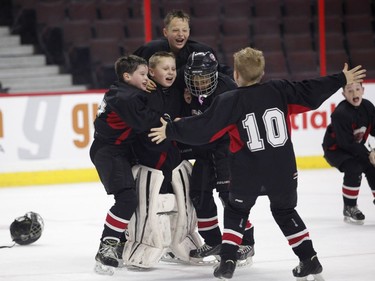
(211, 166)
(164, 99)
(122, 114)
(344, 142)
(164, 225)
(176, 32)
(256, 117)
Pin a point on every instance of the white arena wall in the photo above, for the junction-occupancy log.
(45, 138)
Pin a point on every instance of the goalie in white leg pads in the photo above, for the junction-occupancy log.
(162, 221)
(149, 228)
(184, 223)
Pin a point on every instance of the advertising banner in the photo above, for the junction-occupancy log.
(46, 131)
(53, 132)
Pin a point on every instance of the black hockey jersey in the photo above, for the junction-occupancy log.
(122, 114)
(215, 153)
(167, 154)
(257, 120)
(198, 106)
(349, 129)
(150, 48)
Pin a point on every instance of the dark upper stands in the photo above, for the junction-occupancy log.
(87, 36)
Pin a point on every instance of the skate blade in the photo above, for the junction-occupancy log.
(311, 277)
(355, 222)
(222, 278)
(245, 263)
(210, 260)
(104, 269)
(138, 268)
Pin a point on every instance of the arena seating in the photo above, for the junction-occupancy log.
(71, 33)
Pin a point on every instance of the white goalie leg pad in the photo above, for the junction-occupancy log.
(149, 228)
(184, 222)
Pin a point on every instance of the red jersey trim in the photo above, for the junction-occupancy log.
(162, 158)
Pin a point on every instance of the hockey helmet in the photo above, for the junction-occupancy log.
(27, 229)
(201, 76)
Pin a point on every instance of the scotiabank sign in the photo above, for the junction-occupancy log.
(54, 131)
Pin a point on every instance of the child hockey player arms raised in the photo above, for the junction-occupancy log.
(344, 147)
(122, 113)
(256, 117)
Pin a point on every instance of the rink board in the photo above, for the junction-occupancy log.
(45, 138)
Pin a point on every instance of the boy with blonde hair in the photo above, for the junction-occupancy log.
(256, 117)
(165, 99)
(165, 221)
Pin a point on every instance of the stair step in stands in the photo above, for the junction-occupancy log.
(23, 71)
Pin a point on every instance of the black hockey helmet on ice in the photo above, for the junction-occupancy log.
(201, 75)
(27, 229)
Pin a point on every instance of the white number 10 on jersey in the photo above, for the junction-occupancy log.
(275, 126)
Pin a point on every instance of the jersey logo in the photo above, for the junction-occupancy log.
(101, 108)
(359, 133)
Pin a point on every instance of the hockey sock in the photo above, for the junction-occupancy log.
(228, 252)
(248, 236)
(209, 229)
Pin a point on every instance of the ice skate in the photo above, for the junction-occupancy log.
(119, 251)
(205, 255)
(106, 258)
(225, 269)
(309, 268)
(205, 251)
(245, 255)
(353, 215)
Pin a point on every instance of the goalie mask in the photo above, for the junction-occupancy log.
(201, 74)
(27, 229)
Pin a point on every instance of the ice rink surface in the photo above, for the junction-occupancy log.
(74, 215)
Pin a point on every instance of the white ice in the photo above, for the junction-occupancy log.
(74, 216)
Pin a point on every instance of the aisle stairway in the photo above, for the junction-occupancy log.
(21, 70)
